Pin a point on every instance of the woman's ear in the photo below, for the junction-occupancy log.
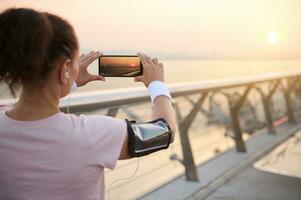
(64, 72)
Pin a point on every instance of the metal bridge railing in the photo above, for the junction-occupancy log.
(235, 91)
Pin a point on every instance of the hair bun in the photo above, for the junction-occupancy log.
(31, 42)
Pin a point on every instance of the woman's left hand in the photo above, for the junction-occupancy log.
(84, 76)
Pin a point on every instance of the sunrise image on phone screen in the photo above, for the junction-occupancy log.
(119, 66)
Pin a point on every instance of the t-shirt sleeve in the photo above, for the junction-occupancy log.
(4, 107)
(106, 137)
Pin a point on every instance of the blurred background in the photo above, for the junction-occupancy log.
(195, 39)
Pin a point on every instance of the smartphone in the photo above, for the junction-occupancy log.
(120, 66)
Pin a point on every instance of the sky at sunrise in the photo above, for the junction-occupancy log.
(182, 28)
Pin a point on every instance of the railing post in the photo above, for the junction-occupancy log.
(240, 145)
(288, 103)
(188, 160)
(131, 114)
(178, 112)
(266, 101)
(268, 115)
(112, 111)
(235, 106)
(288, 100)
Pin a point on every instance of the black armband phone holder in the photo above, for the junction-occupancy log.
(148, 137)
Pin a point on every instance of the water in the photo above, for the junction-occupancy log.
(194, 70)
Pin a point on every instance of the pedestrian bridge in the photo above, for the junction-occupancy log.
(225, 127)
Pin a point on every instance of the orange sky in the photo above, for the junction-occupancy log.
(133, 62)
(181, 28)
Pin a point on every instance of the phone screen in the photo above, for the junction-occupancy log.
(120, 66)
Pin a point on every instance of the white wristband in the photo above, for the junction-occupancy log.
(158, 88)
(74, 86)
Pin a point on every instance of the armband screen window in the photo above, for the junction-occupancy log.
(148, 137)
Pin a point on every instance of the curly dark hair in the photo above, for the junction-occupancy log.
(31, 43)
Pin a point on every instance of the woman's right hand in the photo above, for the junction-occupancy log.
(152, 70)
(84, 76)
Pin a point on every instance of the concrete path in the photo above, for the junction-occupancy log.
(252, 184)
(214, 173)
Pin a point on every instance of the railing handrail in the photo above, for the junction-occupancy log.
(124, 96)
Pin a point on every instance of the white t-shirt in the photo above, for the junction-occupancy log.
(60, 157)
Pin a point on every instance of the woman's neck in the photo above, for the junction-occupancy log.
(35, 104)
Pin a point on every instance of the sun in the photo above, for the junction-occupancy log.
(272, 38)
